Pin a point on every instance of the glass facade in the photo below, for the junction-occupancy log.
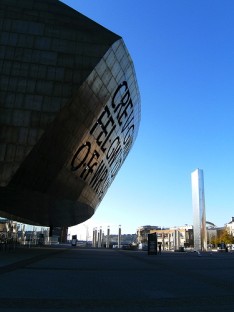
(199, 213)
(69, 112)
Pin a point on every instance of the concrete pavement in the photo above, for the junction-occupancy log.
(67, 279)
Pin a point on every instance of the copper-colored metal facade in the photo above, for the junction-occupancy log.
(69, 112)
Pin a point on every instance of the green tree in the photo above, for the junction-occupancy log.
(213, 240)
(225, 237)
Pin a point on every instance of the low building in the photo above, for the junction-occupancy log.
(169, 238)
(230, 227)
(126, 239)
(175, 238)
(143, 231)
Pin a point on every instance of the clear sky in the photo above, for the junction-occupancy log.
(183, 53)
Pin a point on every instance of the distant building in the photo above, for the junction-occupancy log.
(169, 238)
(8, 230)
(126, 239)
(199, 213)
(230, 227)
(143, 231)
(175, 238)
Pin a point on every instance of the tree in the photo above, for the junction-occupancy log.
(224, 237)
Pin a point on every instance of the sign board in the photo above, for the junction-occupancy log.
(152, 244)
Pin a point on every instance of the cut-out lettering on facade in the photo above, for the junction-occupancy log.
(113, 133)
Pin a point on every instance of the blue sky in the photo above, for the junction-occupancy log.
(183, 54)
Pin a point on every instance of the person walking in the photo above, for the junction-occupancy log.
(159, 249)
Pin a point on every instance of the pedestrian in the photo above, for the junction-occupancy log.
(159, 249)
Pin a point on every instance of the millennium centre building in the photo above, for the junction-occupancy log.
(199, 212)
(69, 112)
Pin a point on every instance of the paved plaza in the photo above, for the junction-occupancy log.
(67, 279)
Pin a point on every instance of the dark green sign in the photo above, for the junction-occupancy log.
(152, 244)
